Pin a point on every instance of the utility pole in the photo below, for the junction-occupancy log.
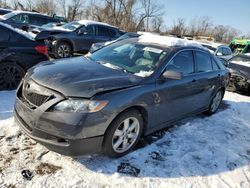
(148, 9)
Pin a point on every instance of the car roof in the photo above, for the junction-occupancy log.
(91, 22)
(168, 41)
(28, 12)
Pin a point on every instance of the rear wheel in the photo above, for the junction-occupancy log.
(215, 103)
(123, 134)
(63, 50)
(10, 75)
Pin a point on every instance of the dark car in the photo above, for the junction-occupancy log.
(107, 101)
(239, 67)
(99, 45)
(4, 11)
(26, 20)
(18, 52)
(78, 36)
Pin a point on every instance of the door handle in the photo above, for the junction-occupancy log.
(194, 80)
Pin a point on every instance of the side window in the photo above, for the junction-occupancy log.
(183, 62)
(20, 18)
(219, 52)
(5, 34)
(229, 52)
(203, 61)
(89, 30)
(215, 66)
(103, 31)
(112, 32)
(224, 51)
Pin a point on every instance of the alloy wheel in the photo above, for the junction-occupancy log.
(63, 51)
(10, 76)
(125, 135)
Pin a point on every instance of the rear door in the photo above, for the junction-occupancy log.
(207, 77)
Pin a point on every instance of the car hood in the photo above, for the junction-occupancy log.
(243, 68)
(46, 33)
(80, 77)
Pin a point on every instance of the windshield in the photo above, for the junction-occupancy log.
(72, 26)
(9, 15)
(131, 57)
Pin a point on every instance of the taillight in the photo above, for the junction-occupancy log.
(42, 49)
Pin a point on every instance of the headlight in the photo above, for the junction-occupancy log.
(79, 105)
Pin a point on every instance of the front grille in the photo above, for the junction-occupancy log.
(33, 94)
(35, 98)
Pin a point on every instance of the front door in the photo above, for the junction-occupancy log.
(177, 98)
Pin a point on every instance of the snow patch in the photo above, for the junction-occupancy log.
(167, 41)
(144, 73)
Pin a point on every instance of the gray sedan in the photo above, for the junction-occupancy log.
(107, 101)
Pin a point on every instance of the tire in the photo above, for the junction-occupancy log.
(215, 103)
(10, 75)
(119, 135)
(63, 50)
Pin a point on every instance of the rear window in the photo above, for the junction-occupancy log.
(203, 62)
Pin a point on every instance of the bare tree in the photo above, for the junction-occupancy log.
(157, 24)
(46, 6)
(219, 32)
(74, 9)
(179, 27)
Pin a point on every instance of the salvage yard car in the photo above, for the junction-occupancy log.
(18, 52)
(106, 101)
(239, 67)
(220, 50)
(26, 20)
(77, 37)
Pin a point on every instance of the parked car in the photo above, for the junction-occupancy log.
(77, 36)
(18, 52)
(4, 11)
(220, 50)
(99, 45)
(239, 67)
(240, 46)
(25, 20)
(108, 100)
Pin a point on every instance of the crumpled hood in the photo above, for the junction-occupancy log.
(240, 69)
(46, 33)
(80, 77)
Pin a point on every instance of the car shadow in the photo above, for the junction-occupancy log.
(196, 146)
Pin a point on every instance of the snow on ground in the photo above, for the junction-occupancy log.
(197, 152)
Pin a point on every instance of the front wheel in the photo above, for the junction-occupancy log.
(63, 50)
(215, 103)
(123, 134)
(10, 75)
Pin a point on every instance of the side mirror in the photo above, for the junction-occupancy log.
(172, 75)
